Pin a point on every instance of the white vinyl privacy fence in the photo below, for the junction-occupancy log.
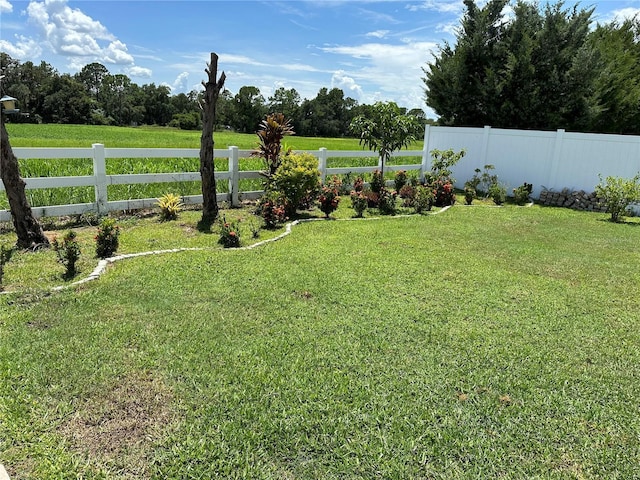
(551, 160)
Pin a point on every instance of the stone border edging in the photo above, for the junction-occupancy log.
(102, 264)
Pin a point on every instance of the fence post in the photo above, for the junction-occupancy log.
(234, 177)
(486, 134)
(555, 159)
(322, 164)
(100, 175)
(425, 153)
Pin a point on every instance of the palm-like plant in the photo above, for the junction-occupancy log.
(272, 130)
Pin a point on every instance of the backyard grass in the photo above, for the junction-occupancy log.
(477, 343)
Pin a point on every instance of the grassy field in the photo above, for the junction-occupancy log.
(477, 343)
(51, 135)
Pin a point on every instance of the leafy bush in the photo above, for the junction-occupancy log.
(400, 180)
(443, 192)
(372, 197)
(297, 179)
(68, 252)
(482, 180)
(358, 202)
(423, 200)
(170, 205)
(498, 193)
(330, 196)
(358, 184)
(271, 209)
(469, 195)
(618, 193)
(387, 202)
(229, 233)
(107, 238)
(407, 193)
(521, 194)
(442, 161)
(377, 181)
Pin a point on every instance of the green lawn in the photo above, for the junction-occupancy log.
(477, 343)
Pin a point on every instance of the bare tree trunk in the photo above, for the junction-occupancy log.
(207, 168)
(28, 230)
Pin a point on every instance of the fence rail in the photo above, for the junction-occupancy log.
(100, 180)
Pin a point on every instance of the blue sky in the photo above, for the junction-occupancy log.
(372, 50)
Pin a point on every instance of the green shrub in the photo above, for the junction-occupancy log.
(377, 181)
(469, 194)
(482, 180)
(400, 180)
(330, 196)
(229, 233)
(297, 179)
(387, 202)
(107, 238)
(423, 200)
(407, 193)
(358, 202)
(271, 209)
(68, 252)
(170, 205)
(498, 193)
(521, 194)
(618, 193)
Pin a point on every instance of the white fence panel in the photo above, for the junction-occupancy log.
(553, 160)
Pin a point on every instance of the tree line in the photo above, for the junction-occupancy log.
(538, 68)
(95, 96)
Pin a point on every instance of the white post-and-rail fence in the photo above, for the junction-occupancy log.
(100, 180)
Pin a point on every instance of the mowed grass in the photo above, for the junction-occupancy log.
(477, 343)
(53, 135)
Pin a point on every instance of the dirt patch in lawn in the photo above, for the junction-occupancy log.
(119, 428)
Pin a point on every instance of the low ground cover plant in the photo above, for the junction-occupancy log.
(170, 205)
(229, 233)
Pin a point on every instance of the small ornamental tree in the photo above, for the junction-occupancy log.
(386, 130)
(618, 193)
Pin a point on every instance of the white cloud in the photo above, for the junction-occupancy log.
(139, 72)
(346, 84)
(623, 14)
(70, 32)
(440, 6)
(22, 49)
(117, 53)
(378, 34)
(395, 69)
(5, 6)
(180, 83)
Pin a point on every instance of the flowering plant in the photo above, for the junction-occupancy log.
(229, 234)
(359, 202)
(272, 210)
(400, 180)
(330, 196)
(387, 202)
(443, 193)
(107, 238)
